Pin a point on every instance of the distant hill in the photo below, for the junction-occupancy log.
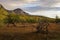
(17, 11)
(22, 14)
(3, 11)
(20, 11)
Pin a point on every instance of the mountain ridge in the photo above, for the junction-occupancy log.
(17, 10)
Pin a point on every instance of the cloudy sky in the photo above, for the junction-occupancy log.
(49, 8)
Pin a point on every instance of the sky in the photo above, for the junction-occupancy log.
(49, 8)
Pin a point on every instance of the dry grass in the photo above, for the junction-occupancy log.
(27, 31)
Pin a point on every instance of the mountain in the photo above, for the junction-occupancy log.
(24, 16)
(3, 11)
(1, 6)
(17, 11)
(20, 11)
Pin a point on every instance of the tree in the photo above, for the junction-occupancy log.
(42, 24)
(12, 19)
(57, 20)
(43, 27)
(3, 15)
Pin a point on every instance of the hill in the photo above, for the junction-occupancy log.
(24, 17)
(25, 26)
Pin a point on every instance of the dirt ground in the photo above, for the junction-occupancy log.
(27, 32)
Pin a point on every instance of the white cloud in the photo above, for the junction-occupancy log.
(48, 3)
(12, 4)
(56, 5)
(42, 3)
(30, 1)
(51, 14)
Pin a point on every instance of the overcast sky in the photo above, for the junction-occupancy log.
(49, 8)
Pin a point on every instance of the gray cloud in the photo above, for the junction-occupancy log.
(30, 4)
(48, 3)
(40, 2)
(38, 8)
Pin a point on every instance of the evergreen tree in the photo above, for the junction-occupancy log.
(57, 20)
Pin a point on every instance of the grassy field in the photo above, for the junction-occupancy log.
(27, 31)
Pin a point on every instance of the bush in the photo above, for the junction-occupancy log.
(57, 20)
(12, 19)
